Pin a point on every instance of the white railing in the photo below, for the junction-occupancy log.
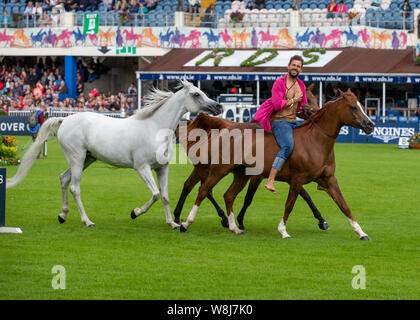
(56, 112)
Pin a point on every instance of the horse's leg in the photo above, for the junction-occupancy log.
(147, 176)
(220, 212)
(291, 199)
(239, 182)
(65, 179)
(252, 188)
(335, 193)
(213, 178)
(162, 177)
(77, 164)
(189, 184)
(323, 225)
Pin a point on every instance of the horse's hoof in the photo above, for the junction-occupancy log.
(323, 225)
(182, 228)
(133, 215)
(224, 223)
(242, 233)
(175, 226)
(365, 238)
(91, 225)
(61, 220)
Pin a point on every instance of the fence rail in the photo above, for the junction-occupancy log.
(55, 112)
(158, 18)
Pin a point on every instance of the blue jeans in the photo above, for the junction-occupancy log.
(283, 131)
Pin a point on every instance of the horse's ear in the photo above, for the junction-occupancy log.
(341, 92)
(349, 90)
(185, 84)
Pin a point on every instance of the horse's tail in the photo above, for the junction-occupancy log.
(49, 126)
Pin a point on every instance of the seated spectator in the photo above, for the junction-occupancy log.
(71, 5)
(375, 3)
(194, 7)
(38, 9)
(62, 91)
(92, 5)
(38, 91)
(142, 10)
(249, 4)
(29, 10)
(83, 4)
(134, 6)
(406, 9)
(150, 4)
(121, 5)
(342, 9)
(332, 8)
(296, 4)
(259, 4)
(5, 19)
(208, 16)
(55, 18)
(48, 4)
(108, 4)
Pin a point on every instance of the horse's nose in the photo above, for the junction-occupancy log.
(217, 109)
(368, 126)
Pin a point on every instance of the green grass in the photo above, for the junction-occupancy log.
(123, 258)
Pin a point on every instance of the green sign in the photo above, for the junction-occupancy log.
(127, 50)
(91, 23)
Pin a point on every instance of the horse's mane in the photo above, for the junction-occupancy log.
(154, 100)
(318, 114)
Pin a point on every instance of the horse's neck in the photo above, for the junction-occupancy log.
(327, 128)
(169, 114)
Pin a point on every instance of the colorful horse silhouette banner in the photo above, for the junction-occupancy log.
(187, 37)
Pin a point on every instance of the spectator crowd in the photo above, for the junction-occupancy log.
(28, 86)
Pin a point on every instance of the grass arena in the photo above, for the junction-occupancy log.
(144, 258)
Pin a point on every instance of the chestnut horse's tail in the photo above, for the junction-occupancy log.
(49, 126)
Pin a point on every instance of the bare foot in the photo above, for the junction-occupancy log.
(270, 188)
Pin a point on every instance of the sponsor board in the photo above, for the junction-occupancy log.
(15, 126)
(195, 76)
(384, 133)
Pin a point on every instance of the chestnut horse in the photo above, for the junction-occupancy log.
(201, 171)
(312, 159)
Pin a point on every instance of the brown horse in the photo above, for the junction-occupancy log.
(201, 171)
(312, 159)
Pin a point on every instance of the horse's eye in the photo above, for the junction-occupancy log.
(353, 108)
(196, 94)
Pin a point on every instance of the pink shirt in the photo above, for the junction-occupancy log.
(277, 102)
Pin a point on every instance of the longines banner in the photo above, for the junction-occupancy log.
(385, 133)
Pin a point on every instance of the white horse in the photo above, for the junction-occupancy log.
(135, 142)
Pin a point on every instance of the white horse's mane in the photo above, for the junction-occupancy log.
(155, 99)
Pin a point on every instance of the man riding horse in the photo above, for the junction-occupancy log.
(278, 113)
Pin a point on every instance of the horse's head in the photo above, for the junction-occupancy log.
(197, 101)
(352, 113)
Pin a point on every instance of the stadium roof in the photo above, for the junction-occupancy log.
(351, 65)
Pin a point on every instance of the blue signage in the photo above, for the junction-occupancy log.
(191, 76)
(384, 133)
(15, 126)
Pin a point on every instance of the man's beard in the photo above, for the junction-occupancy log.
(291, 75)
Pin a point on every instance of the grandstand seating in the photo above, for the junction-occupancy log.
(312, 14)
